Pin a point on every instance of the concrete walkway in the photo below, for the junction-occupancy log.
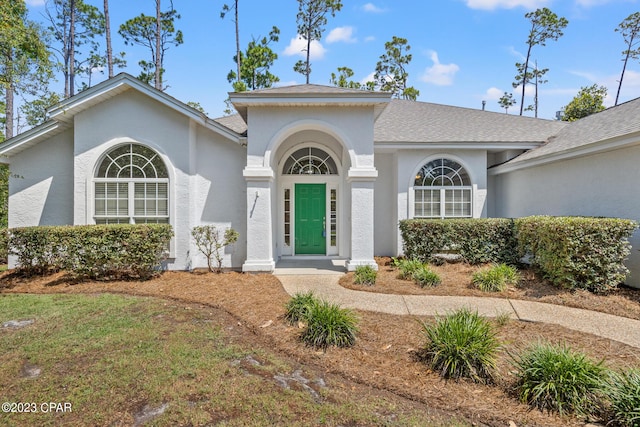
(324, 284)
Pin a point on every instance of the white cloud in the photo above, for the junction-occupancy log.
(506, 4)
(298, 46)
(369, 38)
(440, 74)
(513, 52)
(528, 91)
(591, 3)
(341, 34)
(35, 3)
(372, 8)
(369, 78)
(493, 94)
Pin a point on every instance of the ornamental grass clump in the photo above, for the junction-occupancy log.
(425, 277)
(496, 278)
(623, 392)
(330, 325)
(461, 345)
(407, 267)
(299, 306)
(556, 378)
(365, 275)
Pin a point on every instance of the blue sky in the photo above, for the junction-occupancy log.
(464, 51)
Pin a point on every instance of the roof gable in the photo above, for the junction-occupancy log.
(61, 115)
(612, 124)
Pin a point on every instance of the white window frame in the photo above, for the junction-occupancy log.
(131, 217)
(442, 214)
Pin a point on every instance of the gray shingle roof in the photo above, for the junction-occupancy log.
(611, 123)
(307, 89)
(233, 122)
(411, 121)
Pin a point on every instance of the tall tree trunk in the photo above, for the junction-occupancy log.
(107, 27)
(624, 67)
(307, 69)
(8, 113)
(238, 60)
(524, 79)
(72, 47)
(158, 70)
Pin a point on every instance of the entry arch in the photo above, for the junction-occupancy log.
(310, 177)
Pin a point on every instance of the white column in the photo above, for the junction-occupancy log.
(259, 220)
(362, 182)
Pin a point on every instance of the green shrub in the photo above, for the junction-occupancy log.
(624, 395)
(556, 378)
(93, 251)
(577, 252)
(365, 275)
(299, 306)
(461, 345)
(407, 267)
(496, 278)
(425, 277)
(211, 241)
(328, 324)
(477, 240)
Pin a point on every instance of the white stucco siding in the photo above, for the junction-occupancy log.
(132, 117)
(220, 192)
(385, 217)
(353, 127)
(41, 185)
(604, 184)
(409, 163)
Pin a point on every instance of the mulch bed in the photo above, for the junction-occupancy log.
(385, 355)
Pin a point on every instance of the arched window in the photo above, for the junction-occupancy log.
(442, 189)
(131, 186)
(310, 161)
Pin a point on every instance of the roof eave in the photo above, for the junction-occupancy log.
(571, 153)
(26, 139)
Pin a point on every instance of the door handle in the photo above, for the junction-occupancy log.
(324, 226)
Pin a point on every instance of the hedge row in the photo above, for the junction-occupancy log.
(571, 252)
(577, 252)
(476, 240)
(91, 251)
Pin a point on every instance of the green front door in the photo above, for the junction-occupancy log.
(310, 214)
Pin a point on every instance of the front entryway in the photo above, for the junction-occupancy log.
(310, 219)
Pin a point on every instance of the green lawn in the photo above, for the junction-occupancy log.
(107, 357)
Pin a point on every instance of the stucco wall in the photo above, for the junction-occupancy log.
(221, 191)
(41, 186)
(605, 184)
(385, 217)
(409, 163)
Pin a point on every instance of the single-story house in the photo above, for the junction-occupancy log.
(312, 171)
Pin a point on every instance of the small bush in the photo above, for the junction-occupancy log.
(556, 378)
(496, 278)
(365, 275)
(425, 277)
(477, 240)
(407, 267)
(577, 252)
(93, 251)
(328, 324)
(211, 242)
(462, 345)
(624, 395)
(299, 306)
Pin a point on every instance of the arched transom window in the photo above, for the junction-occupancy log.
(310, 161)
(131, 186)
(442, 189)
